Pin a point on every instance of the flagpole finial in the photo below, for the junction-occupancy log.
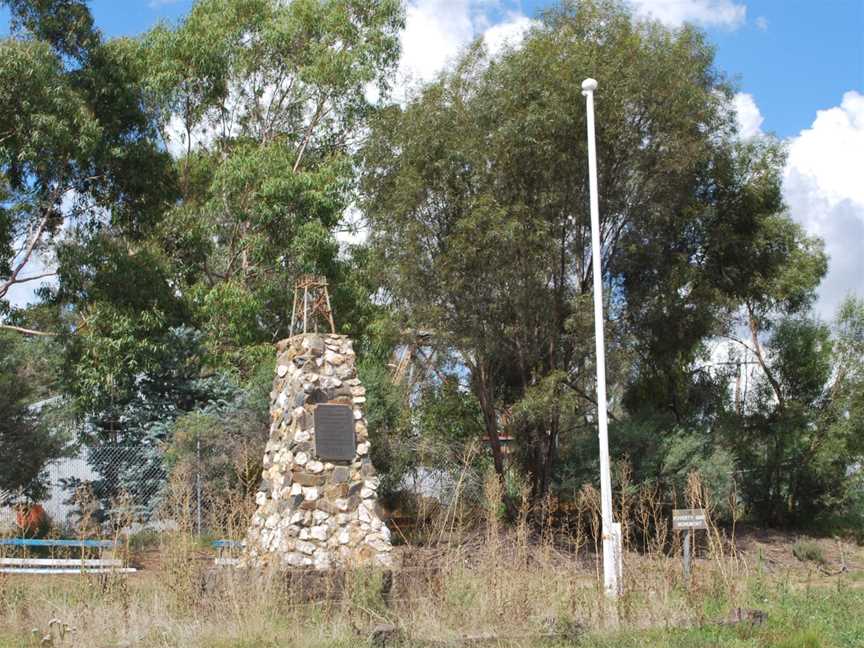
(589, 85)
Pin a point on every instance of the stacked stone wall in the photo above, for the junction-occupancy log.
(312, 512)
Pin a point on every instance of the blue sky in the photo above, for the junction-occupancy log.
(793, 56)
(799, 66)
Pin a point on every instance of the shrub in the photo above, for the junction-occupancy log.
(808, 551)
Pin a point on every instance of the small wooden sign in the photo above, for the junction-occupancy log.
(684, 519)
(334, 432)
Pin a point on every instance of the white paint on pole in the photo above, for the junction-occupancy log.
(611, 539)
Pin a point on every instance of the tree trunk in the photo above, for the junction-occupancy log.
(485, 395)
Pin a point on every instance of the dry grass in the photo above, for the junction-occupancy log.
(522, 584)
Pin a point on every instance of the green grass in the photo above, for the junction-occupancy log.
(815, 618)
(808, 551)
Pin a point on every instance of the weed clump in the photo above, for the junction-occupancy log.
(808, 551)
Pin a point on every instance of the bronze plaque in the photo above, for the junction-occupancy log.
(334, 433)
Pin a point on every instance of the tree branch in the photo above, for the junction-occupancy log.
(319, 113)
(26, 331)
(35, 277)
(757, 347)
(28, 252)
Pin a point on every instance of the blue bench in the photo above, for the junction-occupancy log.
(221, 546)
(61, 565)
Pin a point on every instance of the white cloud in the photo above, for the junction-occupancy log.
(761, 23)
(176, 139)
(748, 115)
(709, 13)
(508, 33)
(436, 31)
(824, 188)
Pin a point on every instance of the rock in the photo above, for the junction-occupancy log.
(300, 417)
(307, 479)
(339, 475)
(382, 634)
(313, 344)
(312, 513)
(326, 506)
(336, 491)
(748, 616)
(306, 547)
(315, 467)
(293, 559)
(378, 543)
(296, 517)
(355, 535)
(334, 358)
(364, 512)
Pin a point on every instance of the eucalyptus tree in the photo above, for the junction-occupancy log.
(77, 153)
(799, 441)
(262, 102)
(476, 194)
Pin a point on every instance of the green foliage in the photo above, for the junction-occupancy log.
(270, 92)
(801, 435)
(129, 389)
(476, 196)
(808, 550)
(391, 440)
(222, 440)
(196, 171)
(26, 444)
(77, 155)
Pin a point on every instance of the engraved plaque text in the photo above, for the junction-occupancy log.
(334, 433)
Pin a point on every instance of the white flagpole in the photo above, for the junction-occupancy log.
(611, 531)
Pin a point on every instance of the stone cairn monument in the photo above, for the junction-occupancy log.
(317, 502)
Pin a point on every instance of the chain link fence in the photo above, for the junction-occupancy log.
(97, 489)
(96, 484)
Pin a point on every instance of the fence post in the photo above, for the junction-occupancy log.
(198, 481)
(687, 542)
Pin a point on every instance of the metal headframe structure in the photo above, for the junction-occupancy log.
(311, 305)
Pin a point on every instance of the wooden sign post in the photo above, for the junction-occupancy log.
(687, 520)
